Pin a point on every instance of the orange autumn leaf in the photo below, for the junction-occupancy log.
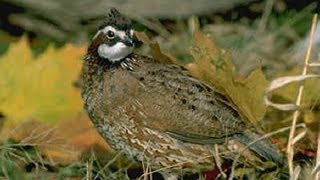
(41, 105)
(63, 143)
(78, 140)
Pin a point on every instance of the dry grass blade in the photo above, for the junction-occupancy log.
(264, 19)
(296, 172)
(290, 147)
(217, 160)
(299, 136)
(314, 64)
(108, 164)
(89, 169)
(317, 166)
(283, 81)
(283, 107)
(154, 25)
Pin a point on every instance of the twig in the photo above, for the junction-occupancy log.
(218, 161)
(290, 146)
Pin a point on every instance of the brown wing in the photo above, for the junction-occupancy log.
(170, 100)
(164, 97)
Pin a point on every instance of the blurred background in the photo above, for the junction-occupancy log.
(274, 28)
(43, 129)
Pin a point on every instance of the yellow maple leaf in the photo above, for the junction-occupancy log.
(39, 88)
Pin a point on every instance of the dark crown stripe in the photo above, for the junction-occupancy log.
(116, 20)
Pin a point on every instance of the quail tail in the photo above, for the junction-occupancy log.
(262, 148)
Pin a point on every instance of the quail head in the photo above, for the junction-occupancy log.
(157, 113)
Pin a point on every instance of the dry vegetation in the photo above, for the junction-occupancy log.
(45, 134)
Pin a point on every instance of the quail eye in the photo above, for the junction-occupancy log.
(110, 34)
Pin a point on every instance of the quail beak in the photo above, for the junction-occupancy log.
(128, 41)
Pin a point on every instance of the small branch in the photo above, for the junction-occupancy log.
(290, 146)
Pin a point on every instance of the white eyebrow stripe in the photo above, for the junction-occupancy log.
(121, 34)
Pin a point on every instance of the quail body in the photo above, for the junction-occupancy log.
(157, 113)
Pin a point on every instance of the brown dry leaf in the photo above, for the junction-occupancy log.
(155, 49)
(215, 67)
(158, 55)
(141, 36)
(39, 88)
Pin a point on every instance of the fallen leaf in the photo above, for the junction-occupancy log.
(158, 55)
(141, 36)
(214, 66)
(39, 88)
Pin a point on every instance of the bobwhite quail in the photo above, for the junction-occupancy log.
(157, 113)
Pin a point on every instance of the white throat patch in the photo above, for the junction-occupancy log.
(114, 53)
